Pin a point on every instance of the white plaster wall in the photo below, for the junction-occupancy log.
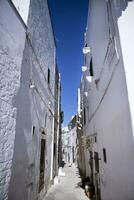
(12, 39)
(74, 142)
(35, 107)
(69, 136)
(41, 34)
(23, 8)
(108, 105)
(126, 31)
(65, 143)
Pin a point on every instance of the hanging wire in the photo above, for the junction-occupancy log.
(104, 93)
(111, 37)
(112, 40)
(37, 60)
(36, 88)
(41, 96)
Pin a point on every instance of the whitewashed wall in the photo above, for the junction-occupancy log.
(126, 31)
(22, 7)
(12, 40)
(23, 59)
(108, 103)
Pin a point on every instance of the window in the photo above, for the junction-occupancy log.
(96, 158)
(42, 164)
(95, 139)
(48, 76)
(33, 130)
(54, 149)
(91, 68)
(84, 116)
(104, 155)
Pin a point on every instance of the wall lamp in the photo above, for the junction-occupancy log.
(84, 68)
(32, 84)
(86, 50)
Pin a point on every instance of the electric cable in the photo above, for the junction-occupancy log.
(39, 93)
(37, 60)
(112, 39)
(104, 93)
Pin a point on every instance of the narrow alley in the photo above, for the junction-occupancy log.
(66, 99)
(68, 187)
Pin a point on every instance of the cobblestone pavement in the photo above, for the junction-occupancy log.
(68, 188)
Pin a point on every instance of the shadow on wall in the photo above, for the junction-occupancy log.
(120, 6)
(23, 158)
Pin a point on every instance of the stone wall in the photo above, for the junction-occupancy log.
(12, 39)
(108, 120)
(26, 53)
(35, 106)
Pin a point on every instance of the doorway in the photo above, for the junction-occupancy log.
(97, 176)
(42, 162)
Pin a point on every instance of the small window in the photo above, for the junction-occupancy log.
(43, 133)
(104, 155)
(48, 76)
(54, 149)
(33, 130)
(91, 68)
(95, 138)
(84, 116)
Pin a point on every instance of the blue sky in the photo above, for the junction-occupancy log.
(69, 19)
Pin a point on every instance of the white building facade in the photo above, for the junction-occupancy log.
(27, 99)
(69, 142)
(107, 98)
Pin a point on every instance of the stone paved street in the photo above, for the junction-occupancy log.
(68, 188)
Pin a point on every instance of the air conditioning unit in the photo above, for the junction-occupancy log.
(86, 50)
(84, 68)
